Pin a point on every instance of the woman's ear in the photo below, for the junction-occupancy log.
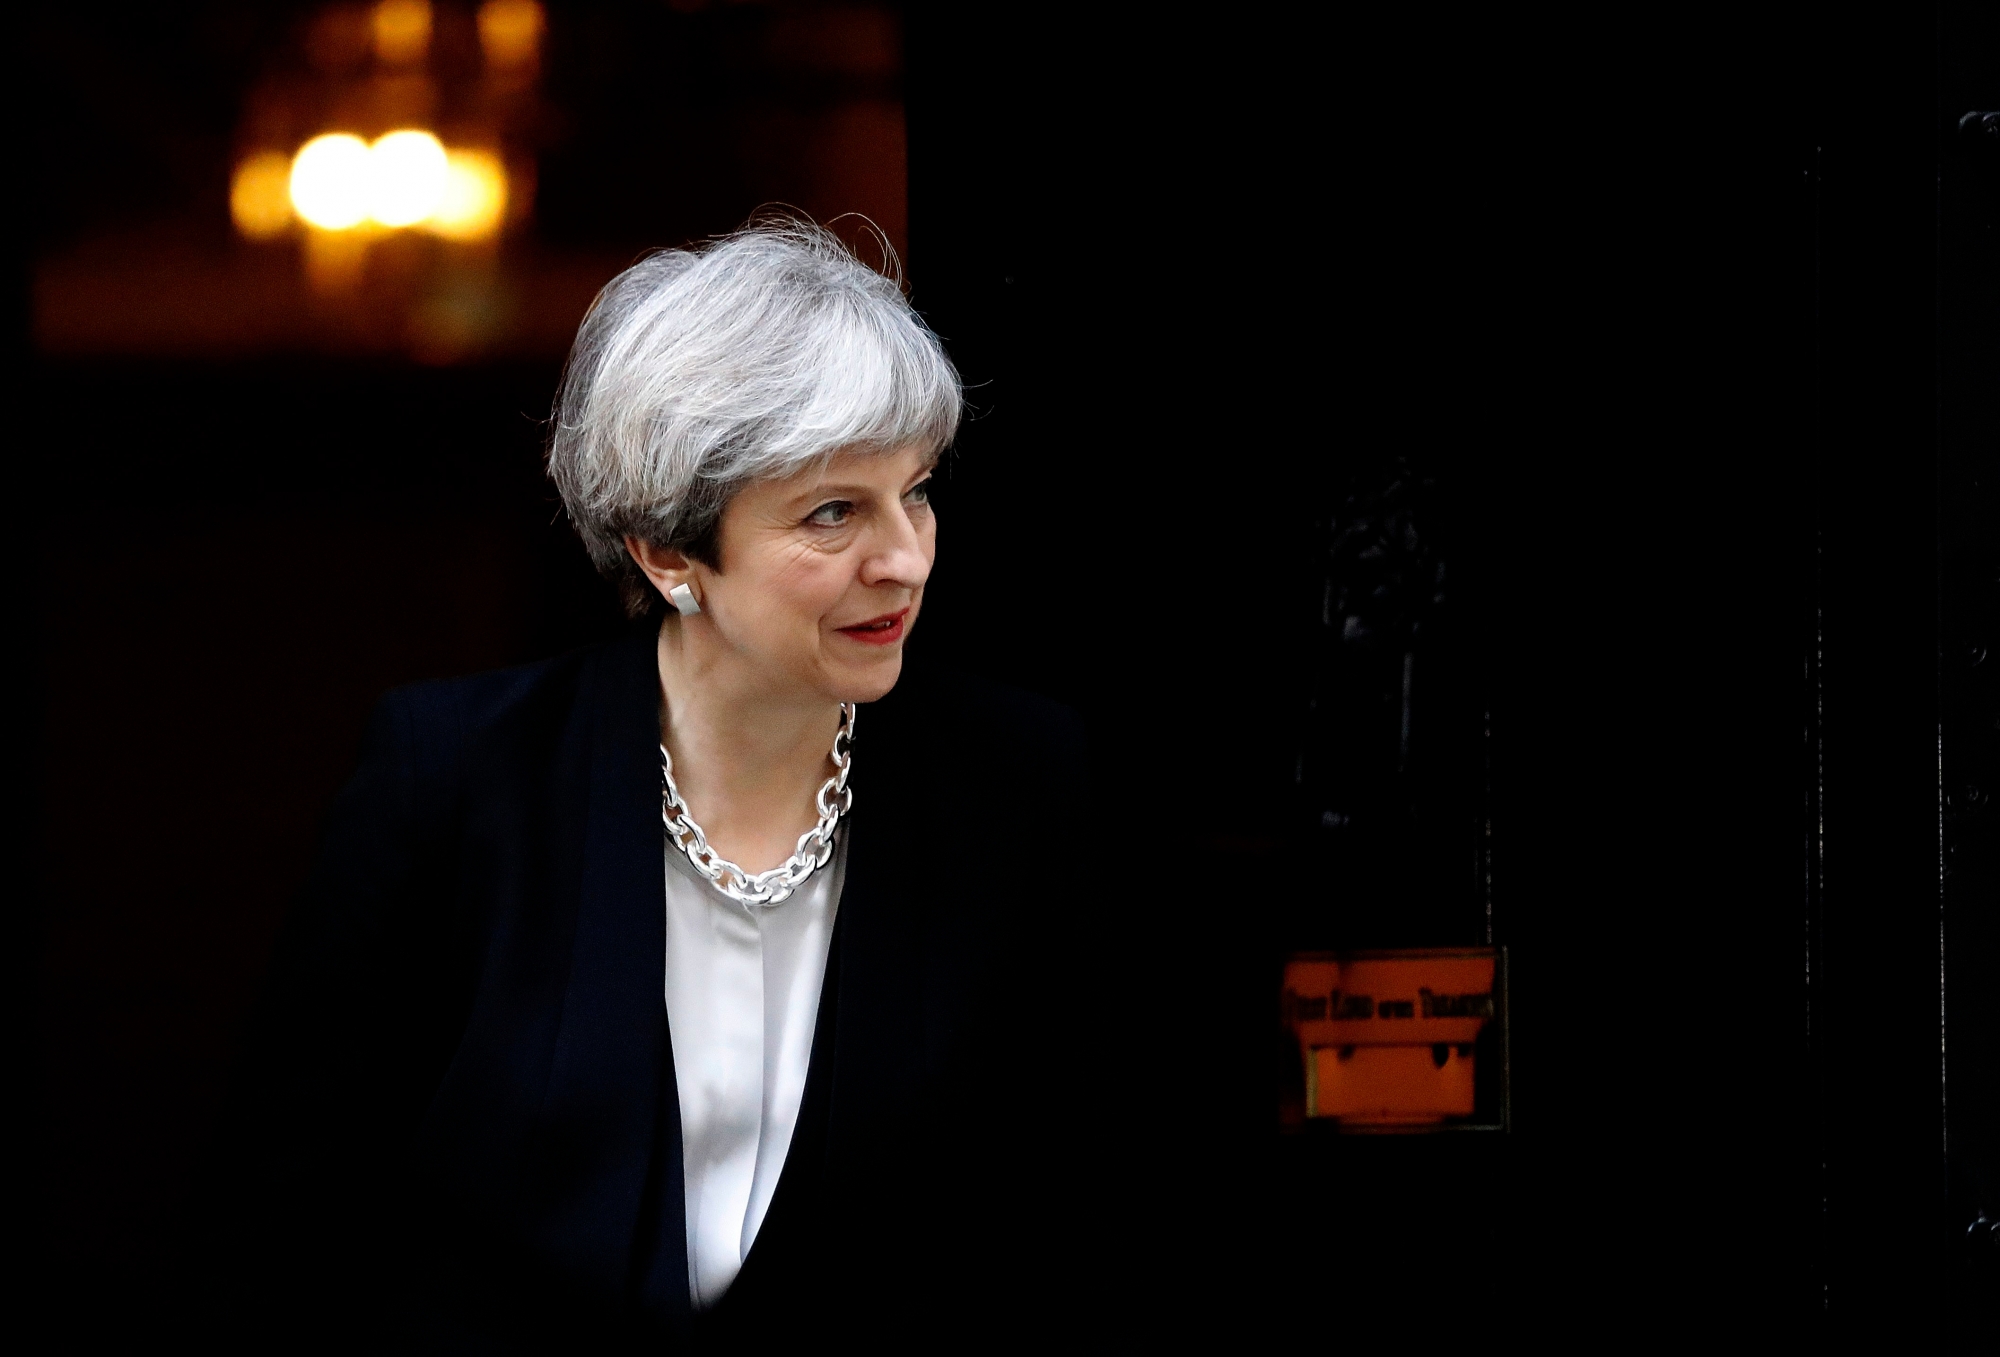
(664, 566)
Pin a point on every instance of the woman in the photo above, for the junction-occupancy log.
(695, 983)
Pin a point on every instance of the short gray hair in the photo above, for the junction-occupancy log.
(698, 371)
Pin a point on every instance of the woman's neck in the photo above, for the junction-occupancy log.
(748, 756)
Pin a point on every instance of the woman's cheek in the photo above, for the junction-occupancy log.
(829, 583)
(809, 576)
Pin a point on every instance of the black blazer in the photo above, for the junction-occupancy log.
(458, 1120)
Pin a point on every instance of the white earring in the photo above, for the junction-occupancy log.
(683, 600)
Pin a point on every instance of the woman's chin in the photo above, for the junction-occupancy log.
(872, 680)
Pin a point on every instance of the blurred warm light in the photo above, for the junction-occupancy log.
(510, 32)
(260, 195)
(406, 178)
(407, 174)
(474, 199)
(402, 30)
(331, 181)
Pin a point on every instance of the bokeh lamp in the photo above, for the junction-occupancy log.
(407, 178)
(338, 182)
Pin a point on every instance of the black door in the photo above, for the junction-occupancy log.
(1903, 750)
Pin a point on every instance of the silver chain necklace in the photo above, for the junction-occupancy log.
(815, 845)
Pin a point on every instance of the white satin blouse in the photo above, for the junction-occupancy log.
(742, 992)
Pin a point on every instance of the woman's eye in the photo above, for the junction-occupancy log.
(831, 514)
(920, 493)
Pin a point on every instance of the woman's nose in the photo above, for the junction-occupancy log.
(899, 558)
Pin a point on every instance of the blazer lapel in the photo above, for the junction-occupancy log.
(611, 1119)
(874, 1124)
(878, 1033)
(864, 1072)
(866, 1046)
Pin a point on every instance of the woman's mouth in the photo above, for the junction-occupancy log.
(878, 631)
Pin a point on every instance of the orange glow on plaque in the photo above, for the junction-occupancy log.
(408, 175)
(475, 197)
(402, 31)
(510, 33)
(260, 198)
(331, 181)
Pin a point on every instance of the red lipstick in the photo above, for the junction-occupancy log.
(878, 631)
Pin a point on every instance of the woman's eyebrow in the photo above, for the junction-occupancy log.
(805, 501)
(831, 490)
(827, 490)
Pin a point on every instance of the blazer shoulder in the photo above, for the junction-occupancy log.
(434, 723)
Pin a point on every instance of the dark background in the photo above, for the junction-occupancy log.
(1627, 386)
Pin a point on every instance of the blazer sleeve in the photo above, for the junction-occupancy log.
(362, 1008)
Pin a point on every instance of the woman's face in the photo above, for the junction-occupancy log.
(823, 573)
